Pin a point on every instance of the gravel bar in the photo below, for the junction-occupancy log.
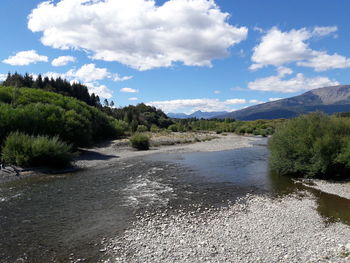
(254, 229)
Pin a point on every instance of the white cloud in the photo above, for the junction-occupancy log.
(24, 58)
(100, 90)
(296, 84)
(3, 77)
(133, 99)
(62, 61)
(235, 101)
(128, 90)
(191, 105)
(324, 31)
(274, 99)
(139, 33)
(283, 71)
(258, 29)
(217, 91)
(279, 48)
(254, 101)
(88, 73)
(322, 61)
(117, 77)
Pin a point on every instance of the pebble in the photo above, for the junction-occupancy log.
(254, 229)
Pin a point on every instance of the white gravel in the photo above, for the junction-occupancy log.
(255, 229)
(341, 189)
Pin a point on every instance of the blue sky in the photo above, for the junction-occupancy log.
(181, 55)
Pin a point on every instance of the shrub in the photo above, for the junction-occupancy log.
(313, 145)
(140, 142)
(154, 128)
(121, 127)
(24, 150)
(141, 128)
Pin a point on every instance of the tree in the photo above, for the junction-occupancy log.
(106, 104)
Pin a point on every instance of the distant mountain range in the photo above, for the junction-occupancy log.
(198, 114)
(329, 100)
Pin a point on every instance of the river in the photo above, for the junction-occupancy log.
(64, 218)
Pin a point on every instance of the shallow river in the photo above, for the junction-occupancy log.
(64, 218)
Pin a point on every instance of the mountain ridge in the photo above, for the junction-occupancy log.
(330, 100)
(197, 114)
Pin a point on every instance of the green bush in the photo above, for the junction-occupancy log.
(121, 127)
(313, 145)
(154, 128)
(141, 128)
(140, 142)
(39, 112)
(24, 150)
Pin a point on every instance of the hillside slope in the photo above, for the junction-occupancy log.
(328, 99)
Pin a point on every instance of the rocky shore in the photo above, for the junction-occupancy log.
(254, 229)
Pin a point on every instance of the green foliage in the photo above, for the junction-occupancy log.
(258, 127)
(140, 114)
(313, 145)
(24, 150)
(63, 87)
(154, 128)
(142, 128)
(38, 112)
(140, 141)
(121, 127)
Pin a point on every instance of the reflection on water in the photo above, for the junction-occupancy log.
(61, 218)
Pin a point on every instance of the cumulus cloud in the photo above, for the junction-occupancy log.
(88, 73)
(139, 33)
(3, 77)
(128, 90)
(101, 90)
(296, 84)
(133, 98)
(322, 61)
(191, 105)
(62, 61)
(217, 91)
(25, 58)
(279, 48)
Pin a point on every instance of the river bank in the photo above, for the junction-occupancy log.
(253, 229)
(210, 201)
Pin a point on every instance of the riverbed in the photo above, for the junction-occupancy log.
(83, 216)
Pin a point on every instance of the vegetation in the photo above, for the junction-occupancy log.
(140, 115)
(258, 127)
(63, 87)
(140, 141)
(38, 112)
(313, 145)
(25, 150)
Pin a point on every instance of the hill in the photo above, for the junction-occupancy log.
(198, 114)
(39, 112)
(328, 100)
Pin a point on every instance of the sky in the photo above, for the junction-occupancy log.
(180, 55)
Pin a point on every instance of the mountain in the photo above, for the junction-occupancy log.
(328, 99)
(198, 114)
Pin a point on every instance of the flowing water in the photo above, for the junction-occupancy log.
(64, 218)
